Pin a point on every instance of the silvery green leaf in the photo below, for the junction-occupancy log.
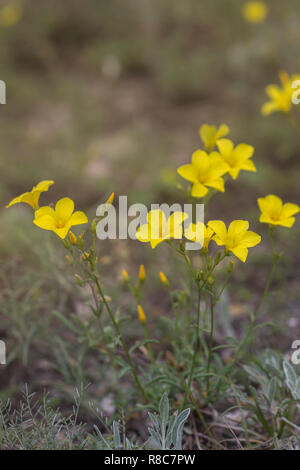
(164, 411)
(154, 420)
(178, 428)
(117, 439)
(290, 375)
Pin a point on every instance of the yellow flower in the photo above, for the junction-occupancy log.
(163, 279)
(61, 219)
(142, 273)
(280, 97)
(274, 212)
(255, 12)
(237, 239)
(237, 158)
(204, 172)
(159, 228)
(10, 15)
(32, 197)
(210, 134)
(141, 314)
(199, 233)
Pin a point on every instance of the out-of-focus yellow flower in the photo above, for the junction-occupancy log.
(237, 158)
(163, 279)
(204, 172)
(237, 239)
(274, 212)
(32, 197)
(210, 134)
(255, 12)
(280, 96)
(61, 219)
(199, 233)
(10, 14)
(159, 228)
(142, 273)
(125, 275)
(141, 314)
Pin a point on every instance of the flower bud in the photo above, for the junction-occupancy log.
(142, 273)
(210, 280)
(163, 279)
(79, 280)
(85, 256)
(73, 238)
(69, 259)
(110, 200)
(141, 314)
(125, 275)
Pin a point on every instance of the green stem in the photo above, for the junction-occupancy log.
(196, 345)
(275, 258)
(149, 347)
(210, 344)
(118, 331)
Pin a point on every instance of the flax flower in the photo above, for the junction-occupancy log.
(60, 219)
(199, 233)
(274, 212)
(204, 172)
(236, 158)
(280, 96)
(210, 134)
(237, 239)
(255, 12)
(158, 228)
(32, 197)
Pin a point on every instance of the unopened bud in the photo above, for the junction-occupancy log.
(142, 273)
(141, 314)
(125, 275)
(69, 259)
(85, 256)
(210, 280)
(73, 238)
(79, 279)
(110, 200)
(163, 279)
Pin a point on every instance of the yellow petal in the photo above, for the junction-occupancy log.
(237, 227)
(199, 190)
(143, 233)
(270, 204)
(243, 152)
(46, 222)
(240, 252)
(43, 186)
(219, 228)
(217, 183)
(64, 208)
(225, 147)
(222, 131)
(78, 218)
(250, 239)
(195, 232)
(175, 224)
(188, 172)
(289, 209)
(248, 165)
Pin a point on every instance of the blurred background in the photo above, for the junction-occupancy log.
(109, 95)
